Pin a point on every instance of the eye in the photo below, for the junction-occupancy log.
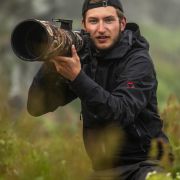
(93, 21)
(109, 20)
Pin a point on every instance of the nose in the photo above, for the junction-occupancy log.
(101, 27)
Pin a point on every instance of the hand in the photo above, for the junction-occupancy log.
(68, 67)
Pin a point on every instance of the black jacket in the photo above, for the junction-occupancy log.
(117, 90)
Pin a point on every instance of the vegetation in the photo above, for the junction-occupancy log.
(32, 149)
(45, 149)
(170, 115)
(164, 49)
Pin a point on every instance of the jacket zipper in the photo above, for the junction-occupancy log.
(140, 136)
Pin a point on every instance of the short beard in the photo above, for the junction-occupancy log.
(110, 47)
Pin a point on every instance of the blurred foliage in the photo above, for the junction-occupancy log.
(46, 149)
(164, 40)
(171, 116)
(31, 149)
(164, 49)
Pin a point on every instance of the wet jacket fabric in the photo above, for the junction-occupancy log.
(117, 89)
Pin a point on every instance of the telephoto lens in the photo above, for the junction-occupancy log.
(37, 40)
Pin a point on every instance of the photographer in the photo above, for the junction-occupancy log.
(117, 88)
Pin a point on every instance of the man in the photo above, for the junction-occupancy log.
(117, 89)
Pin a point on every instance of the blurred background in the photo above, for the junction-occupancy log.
(158, 20)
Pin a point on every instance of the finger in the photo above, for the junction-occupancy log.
(61, 58)
(51, 60)
(74, 52)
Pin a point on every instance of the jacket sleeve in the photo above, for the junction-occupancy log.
(48, 91)
(131, 95)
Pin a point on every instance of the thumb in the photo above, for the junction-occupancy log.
(74, 52)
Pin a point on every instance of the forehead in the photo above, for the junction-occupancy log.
(101, 12)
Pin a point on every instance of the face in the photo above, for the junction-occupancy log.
(104, 26)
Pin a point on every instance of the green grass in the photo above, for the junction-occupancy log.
(46, 149)
(29, 150)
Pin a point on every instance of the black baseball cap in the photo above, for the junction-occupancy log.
(90, 5)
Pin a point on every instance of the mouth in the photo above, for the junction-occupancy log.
(102, 38)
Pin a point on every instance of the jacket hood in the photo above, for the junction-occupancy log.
(130, 38)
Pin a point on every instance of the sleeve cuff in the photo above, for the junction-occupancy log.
(83, 86)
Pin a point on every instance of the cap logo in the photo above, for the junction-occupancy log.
(98, 4)
(104, 3)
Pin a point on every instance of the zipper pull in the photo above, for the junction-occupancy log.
(80, 116)
(140, 136)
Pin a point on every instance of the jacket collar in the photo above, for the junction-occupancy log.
(130, 38)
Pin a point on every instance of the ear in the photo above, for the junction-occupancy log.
(123, 23)
(83, 24)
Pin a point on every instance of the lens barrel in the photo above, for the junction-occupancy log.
(36, 40)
